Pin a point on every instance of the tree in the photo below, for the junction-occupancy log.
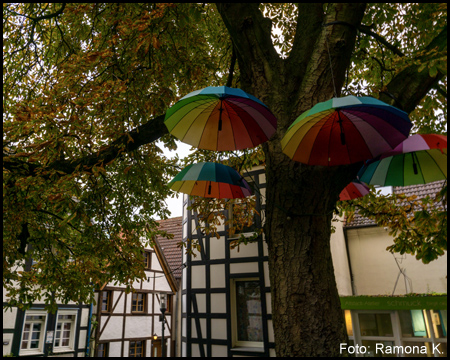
(85, 90)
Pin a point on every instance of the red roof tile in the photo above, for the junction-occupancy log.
(171, 251)
(421, 191)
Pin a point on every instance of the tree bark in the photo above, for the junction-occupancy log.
(300, 199)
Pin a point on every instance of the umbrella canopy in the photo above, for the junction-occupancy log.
(344, 131)
(354, 190)
(420, 159)
(221, 118)
(211, 180)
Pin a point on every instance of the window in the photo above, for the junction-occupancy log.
(247, 313)
(243, 219)
(106, 301)
(65, 330)
(33, 332)
(138, 302)
(137, 349)
(147, 256)
(103, 350)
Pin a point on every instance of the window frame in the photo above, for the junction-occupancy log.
(244, 233)
(143, 347)
(106, 349)
(42, 335)
(147, 259)
(144, 305)
(109, 301)
(73, 331)
(236, 343)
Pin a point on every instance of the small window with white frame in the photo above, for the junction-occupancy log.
(65, 330)
(33, 333)
(247, 321)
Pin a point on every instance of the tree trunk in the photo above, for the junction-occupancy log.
(307, 317)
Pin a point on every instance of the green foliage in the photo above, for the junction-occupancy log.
(79, 76)
(76, 77)
(419, 226)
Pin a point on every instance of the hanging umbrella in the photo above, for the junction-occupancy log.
(221, 118)
(211, 180)
(344, 131)
(420, 159)
(354, 190)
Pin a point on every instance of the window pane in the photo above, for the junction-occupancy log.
(439, 319)
(248, 306)
(24, 344)
(27, 327)
(67, 326)
(35, 335)
(25, 335)
(36, 327)
(348, 322)
(375, 324)
(412, 323)
(34, 344)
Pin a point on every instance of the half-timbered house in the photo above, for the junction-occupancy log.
(226, 299)
(129, 325)
(36, 332)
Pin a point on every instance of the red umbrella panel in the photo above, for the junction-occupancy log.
(211, 180)
(354, 190)
(221, 118)
(345, 130)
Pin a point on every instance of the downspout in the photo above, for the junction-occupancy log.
(91, 309)
(352, 282)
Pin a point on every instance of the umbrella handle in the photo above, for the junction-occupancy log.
(342, 129)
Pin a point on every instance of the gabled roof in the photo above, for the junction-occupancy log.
(420, 191)
(172, 252)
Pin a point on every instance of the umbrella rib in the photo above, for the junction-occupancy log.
(190, 126)
(243, 123)
(232, 130)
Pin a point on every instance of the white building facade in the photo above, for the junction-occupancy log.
(226, 300)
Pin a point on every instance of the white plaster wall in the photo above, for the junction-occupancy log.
(266, 273)
(219, 329)
(219, 351)
(84, 317)
(340, 262)
(251, 249)
(217, 274)
(198, 277)
(201, 303)
(218, 303)
(202, 327)
(83, 335)
(161, 283)
(138, 326)
(113, 329)
(115, 349)
(120, 304)
(375, 270)
(244, 268)
(9, 318)
(155, 263)
(217, 248)
(7, 348)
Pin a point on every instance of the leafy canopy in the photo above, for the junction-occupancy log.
(82, 86)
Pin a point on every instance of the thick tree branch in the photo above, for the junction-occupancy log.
(409, 86)
(250, 32)
(144, 134)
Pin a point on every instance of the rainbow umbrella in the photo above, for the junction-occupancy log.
(354, 190)
(344, 131)
(221, 118)
(211, 180)
(420, 159)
